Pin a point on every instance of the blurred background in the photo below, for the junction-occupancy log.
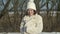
(12, 11)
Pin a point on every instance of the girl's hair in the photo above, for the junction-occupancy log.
(26, 13)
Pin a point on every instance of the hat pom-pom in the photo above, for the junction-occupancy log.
(31, 0)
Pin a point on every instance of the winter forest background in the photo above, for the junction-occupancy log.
(12, 11)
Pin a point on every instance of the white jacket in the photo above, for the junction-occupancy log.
(31, 24)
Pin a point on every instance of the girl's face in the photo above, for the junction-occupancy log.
(30, 12)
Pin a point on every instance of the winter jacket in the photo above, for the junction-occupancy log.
(31, 24)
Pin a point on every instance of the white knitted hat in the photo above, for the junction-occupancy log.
(31, 5)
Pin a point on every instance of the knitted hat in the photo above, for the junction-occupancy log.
(31, 5)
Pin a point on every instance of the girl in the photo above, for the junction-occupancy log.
(32, 22)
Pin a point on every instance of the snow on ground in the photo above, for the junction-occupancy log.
(41, 33)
